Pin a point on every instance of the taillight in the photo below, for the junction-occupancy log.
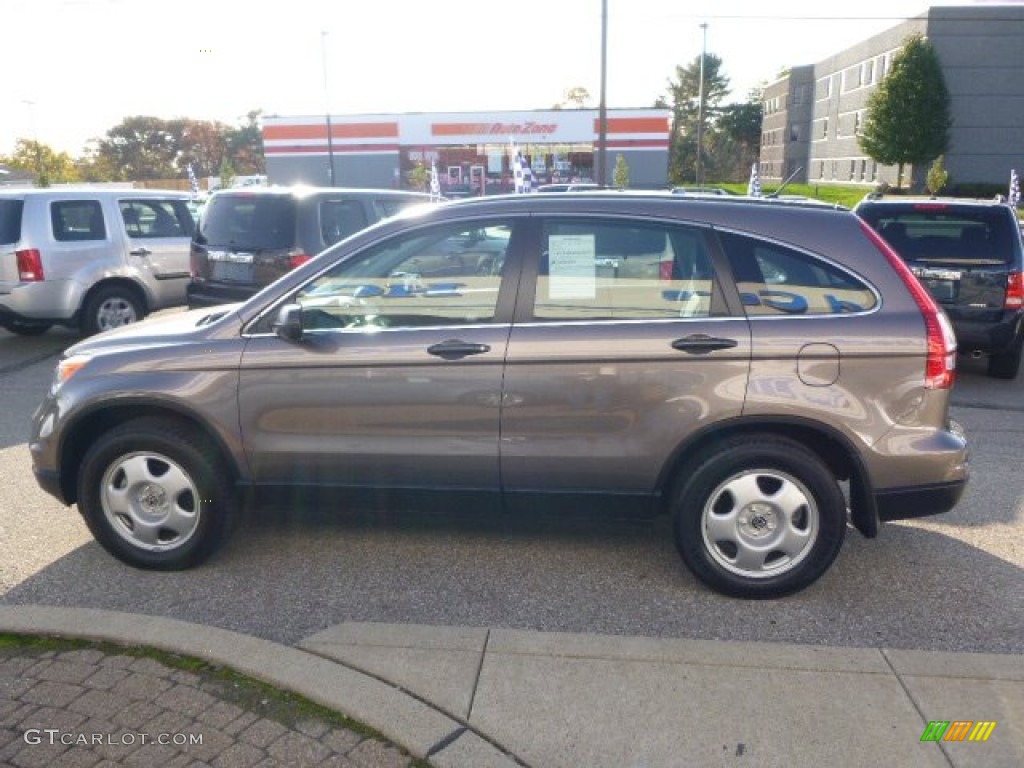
(940, 365)
(30, 265)
(297, 259)
(193, 264)
(665, 270)
(1014, 291)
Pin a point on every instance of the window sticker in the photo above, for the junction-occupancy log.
(572, 267)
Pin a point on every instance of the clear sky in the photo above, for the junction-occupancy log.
(72, 69)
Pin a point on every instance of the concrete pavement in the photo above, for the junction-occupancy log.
(478, 697)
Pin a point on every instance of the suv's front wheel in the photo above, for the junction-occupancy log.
(758, 517)
(155, 495)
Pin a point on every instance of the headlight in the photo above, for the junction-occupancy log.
(67, 368)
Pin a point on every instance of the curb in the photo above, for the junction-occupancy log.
(403, 718)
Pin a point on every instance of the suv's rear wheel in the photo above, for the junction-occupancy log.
(1006, 365)
(759, 517)
(155, 495)
(111, 307)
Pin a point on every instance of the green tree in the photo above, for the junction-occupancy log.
(48, 166)
(226, 173)
(576, 97)
(937, 177)
(908, 117)
(736, 140)
(684, 101)
(419, 178)
(621, 176)
(245, 145)
(142, 147)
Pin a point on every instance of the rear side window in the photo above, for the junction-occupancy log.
(386, 208)
(622, 270)
(77, 220)
(10, 220)
(255, 222)
(340, 218)
(774, 280)
(157, 218)
(936, 232)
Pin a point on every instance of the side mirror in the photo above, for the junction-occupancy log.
(288, 324)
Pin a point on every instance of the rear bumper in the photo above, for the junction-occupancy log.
(204, 294)
(994, 337)
(918, 501)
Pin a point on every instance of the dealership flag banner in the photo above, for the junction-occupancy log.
(524, 175)
(754, 186)
(435, 183)
(193, 183)
(1014, 199)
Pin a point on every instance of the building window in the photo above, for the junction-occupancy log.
(869, 72)
(824, 128)
(856, 123)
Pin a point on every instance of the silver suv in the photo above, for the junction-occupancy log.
(763, 372)
(90, 258)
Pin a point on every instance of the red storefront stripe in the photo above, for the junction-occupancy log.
(338, 149)
(342, 131)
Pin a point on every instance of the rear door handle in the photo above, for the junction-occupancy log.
(140, 252)
(701, 344)
(453, 349)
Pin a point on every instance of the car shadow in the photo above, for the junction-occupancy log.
(286, 575)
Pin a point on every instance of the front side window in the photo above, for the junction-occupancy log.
(157, 218)
(607, 270)
(774, 280)
(440, 275)
(77, 220)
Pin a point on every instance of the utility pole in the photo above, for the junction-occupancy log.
(700, 104)
(327, 113)
(602, 118)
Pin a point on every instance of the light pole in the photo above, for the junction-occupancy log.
(327, 112)
(602, 116)
(700, 102)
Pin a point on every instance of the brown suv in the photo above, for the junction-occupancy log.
(761, 371)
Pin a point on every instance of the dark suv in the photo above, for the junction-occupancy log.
(761, 371)
(969, 256)
(249, 237)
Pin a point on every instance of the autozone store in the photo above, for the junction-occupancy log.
(473, 151)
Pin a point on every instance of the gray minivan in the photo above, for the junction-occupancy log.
(90, 258)
(249, 237)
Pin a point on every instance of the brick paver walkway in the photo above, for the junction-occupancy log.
(96, 707)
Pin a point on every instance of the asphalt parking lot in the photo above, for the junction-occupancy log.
(952, 582)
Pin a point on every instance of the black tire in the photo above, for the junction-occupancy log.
(177, 511)
(778, 540)
(22, 328)
(1006, 366)
(111, 307)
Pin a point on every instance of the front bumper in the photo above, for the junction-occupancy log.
(918, 501)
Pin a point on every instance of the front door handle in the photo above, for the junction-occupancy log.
(701, 344)
(140, 252)
(453, 349)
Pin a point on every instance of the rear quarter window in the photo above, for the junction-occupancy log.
(774, 280)
(10, 220)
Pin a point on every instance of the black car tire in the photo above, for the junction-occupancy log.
(111, 307)
(22, 328)
(156, 495)
(1006, 365)
(759, 517)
